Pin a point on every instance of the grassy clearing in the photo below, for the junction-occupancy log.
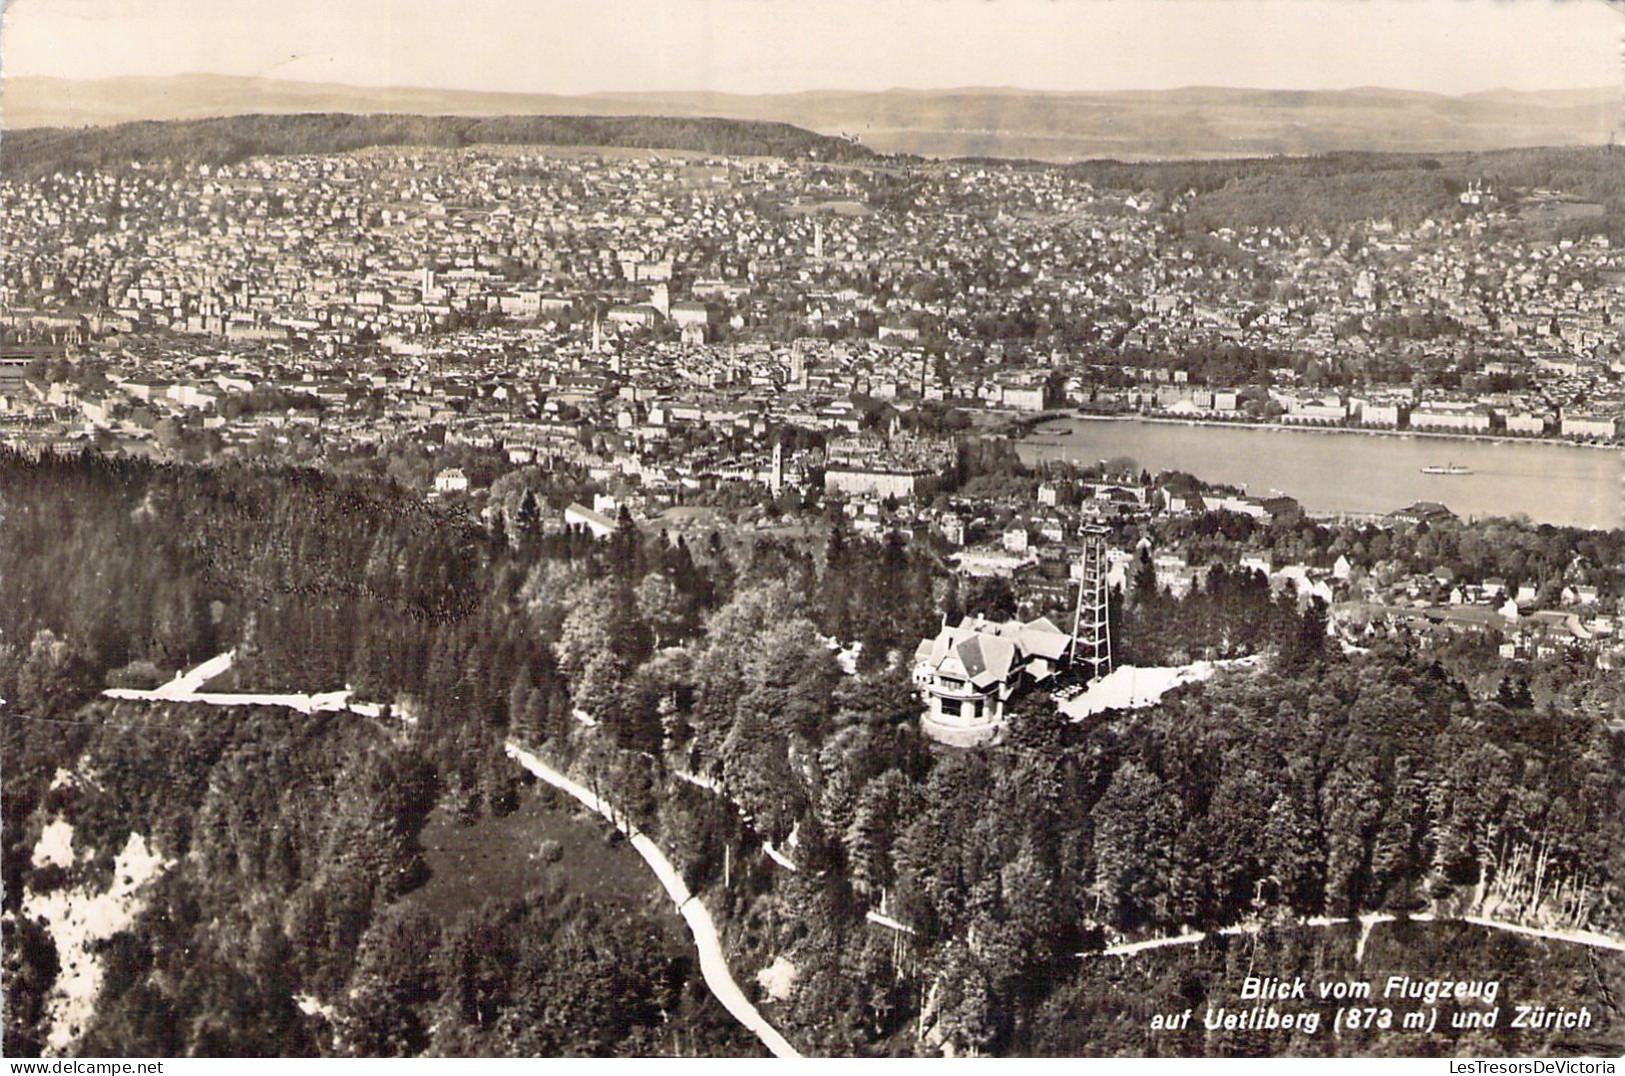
(502, 859)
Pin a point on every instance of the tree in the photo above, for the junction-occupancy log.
(395, 979)
(733, 635)
(756, 767)
(31, 967)
(1136, 825)
(598, 690)
(180, 626)
(1145, 579)
(965, 1004)
(603, 622)
(527, 521)
(1304, 643)
(666, 610)
(499, 532)
(1290, 847)
(167, 434)
(55, 677)
(625, 547)
(1514, 694)
(886, 696)
(791, 674)
(1351, 803)
(880, 814)
(990, 597)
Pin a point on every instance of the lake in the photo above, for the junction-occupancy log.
(1352, 472)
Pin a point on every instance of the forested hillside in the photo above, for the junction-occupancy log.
(42, 150)
(718, 715)
(1348, 190)
(290, 837)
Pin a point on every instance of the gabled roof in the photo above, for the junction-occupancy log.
(1043, 638)
(987, 651)
(987, 658)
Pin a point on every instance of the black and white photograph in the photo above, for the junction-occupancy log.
(826, 529)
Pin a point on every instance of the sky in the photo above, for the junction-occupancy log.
(778, 46)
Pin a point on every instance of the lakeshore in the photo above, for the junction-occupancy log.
(1546, 480)
(1032, 429)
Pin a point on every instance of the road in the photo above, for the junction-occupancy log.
(713, 964)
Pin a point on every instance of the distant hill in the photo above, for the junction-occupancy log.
(1134, 125)
(36, 150)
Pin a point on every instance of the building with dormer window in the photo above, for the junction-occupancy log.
(969, 672)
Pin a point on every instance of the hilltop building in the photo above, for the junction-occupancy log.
(451, 480)
(970, 671)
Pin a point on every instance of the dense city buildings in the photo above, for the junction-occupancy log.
(779, 507)
(682, 329)
(468, 287)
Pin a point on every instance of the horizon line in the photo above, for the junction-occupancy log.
(963, 88)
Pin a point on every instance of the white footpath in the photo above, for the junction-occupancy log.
(184, 688)
(713, 964)
(1129, 688)
(187, 683)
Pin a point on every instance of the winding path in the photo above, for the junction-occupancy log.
(713, 964)
(767, 846)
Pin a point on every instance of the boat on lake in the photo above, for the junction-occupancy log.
(1448, 468)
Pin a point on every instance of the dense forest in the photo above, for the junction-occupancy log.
(293, 838)
(1328, 786)
(295, 835)
(33, 152)
(721, 696)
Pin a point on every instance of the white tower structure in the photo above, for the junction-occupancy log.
(1091, 622)
(798, 366)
